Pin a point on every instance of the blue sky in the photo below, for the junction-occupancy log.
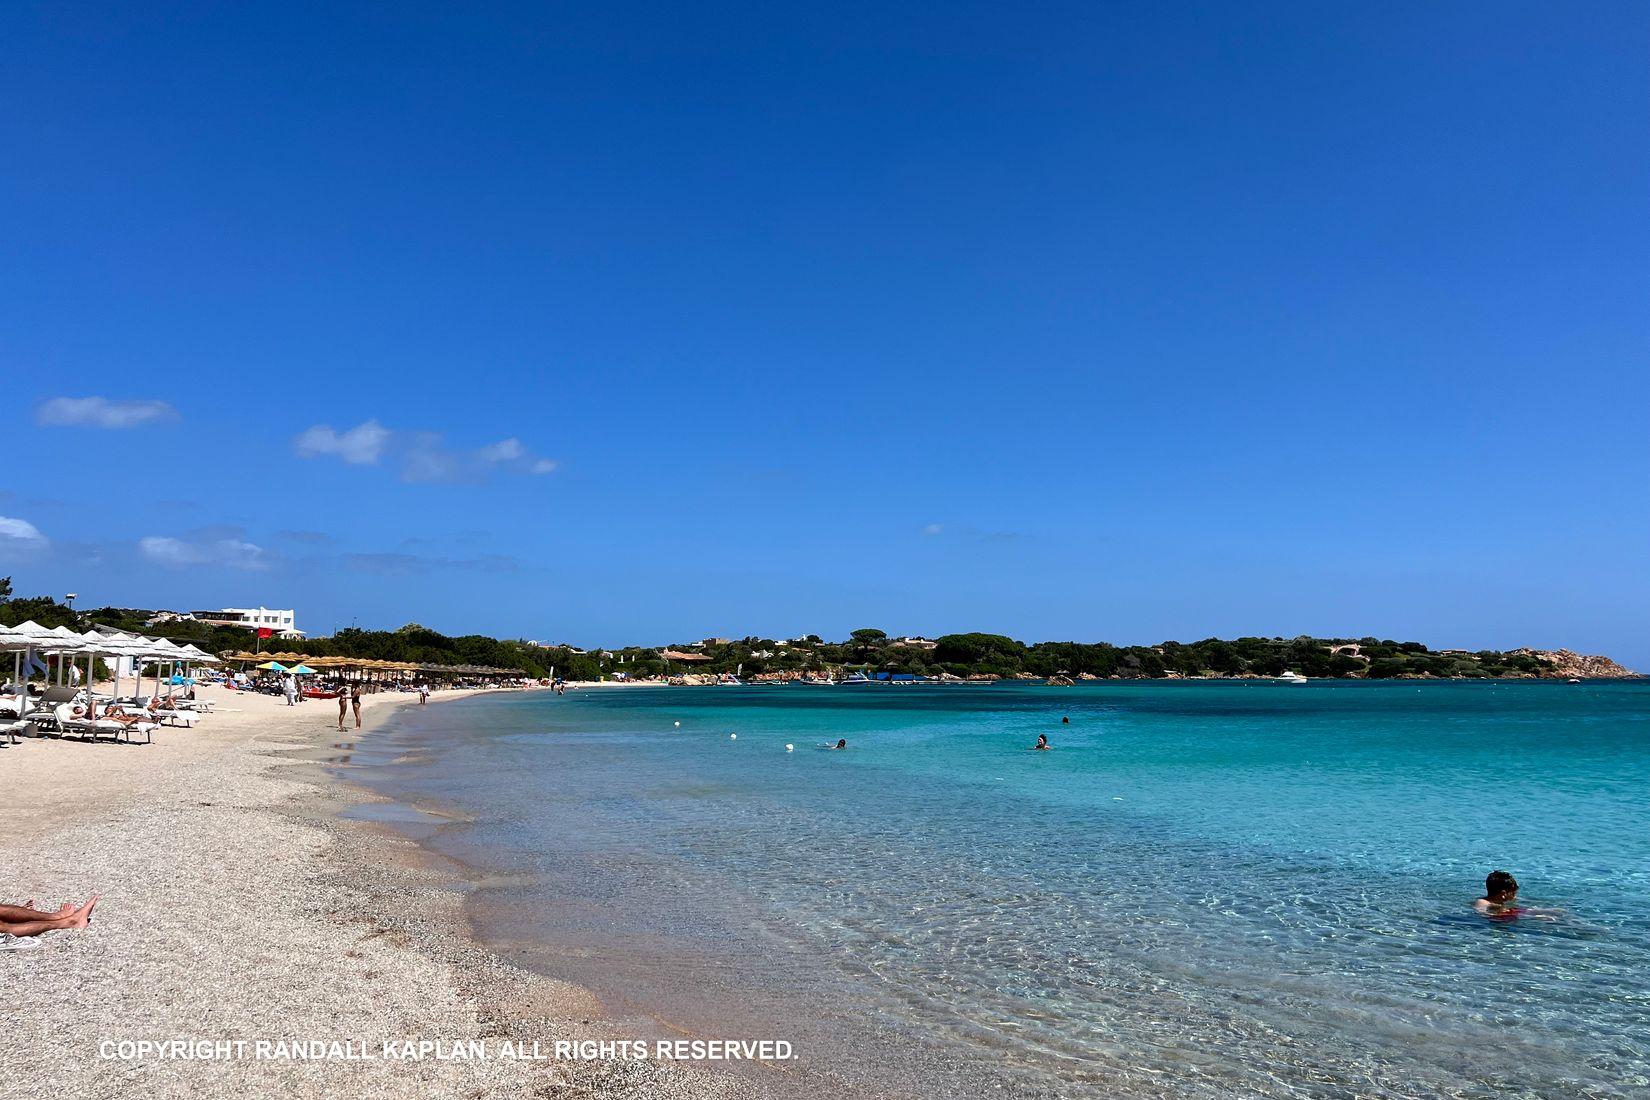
(1095, 321)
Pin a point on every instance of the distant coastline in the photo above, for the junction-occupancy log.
(866, 653)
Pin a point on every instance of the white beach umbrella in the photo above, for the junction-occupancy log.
(140, 649)
(113, 644)
(64, 643)
(170, 653)
(123, 646)
(91, 645)
(31, 634)
(198, 655)
(16, 644)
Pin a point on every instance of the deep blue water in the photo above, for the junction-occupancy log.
(1205, 889)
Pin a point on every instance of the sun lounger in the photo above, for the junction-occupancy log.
(42, 712)
(70, 722)
(159, 715)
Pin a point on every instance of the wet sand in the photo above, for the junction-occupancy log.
(239, 903)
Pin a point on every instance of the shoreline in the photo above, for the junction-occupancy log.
(239, 902)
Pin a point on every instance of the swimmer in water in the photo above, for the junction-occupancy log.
(842, 743)
(1064, 721)
(1500, 900)
(1500, 896)
(1042, 744)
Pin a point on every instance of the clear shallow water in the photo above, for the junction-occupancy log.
(1206, 889)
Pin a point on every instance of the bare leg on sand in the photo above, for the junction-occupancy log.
(14, 914)
(76, 918)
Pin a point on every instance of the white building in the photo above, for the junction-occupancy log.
(283, 623)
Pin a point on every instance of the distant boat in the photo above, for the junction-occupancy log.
(1573, 680)
(855, 678)
(1292, 678)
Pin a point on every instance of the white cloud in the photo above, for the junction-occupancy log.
(20, 533)
(360, 446)
(421, 456)
(100, 412)
(505, 450)
(230, 552)
(933, 529)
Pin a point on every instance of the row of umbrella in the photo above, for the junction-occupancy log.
(28, 639)
(367, 663)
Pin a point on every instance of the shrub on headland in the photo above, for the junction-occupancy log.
(873, 650)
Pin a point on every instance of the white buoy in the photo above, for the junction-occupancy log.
(789, 748)
(733, 737)
(678, 724)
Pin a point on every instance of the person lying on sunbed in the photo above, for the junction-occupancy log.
(24, 920)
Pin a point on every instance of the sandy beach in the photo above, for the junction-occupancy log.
(238, 906)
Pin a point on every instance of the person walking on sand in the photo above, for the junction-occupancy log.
(23, 920)
(289, 688)
(343, 705)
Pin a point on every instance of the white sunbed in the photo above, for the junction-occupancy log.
(163, 715)
(69, 722)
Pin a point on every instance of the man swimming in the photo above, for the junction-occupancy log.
(841, 743)
(1042, 744)
(1500, 892)
(1500, 900)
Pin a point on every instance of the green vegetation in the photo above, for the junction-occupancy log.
(868, 649)
(998, 655)
(412, 642)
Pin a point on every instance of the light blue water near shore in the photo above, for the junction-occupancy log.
(1205, 889)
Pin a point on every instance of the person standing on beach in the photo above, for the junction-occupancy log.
(343, 705)
(355, 702)
(289, 688)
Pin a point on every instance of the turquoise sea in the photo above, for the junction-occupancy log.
(1205, 889)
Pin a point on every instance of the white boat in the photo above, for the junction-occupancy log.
(1291, 678)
